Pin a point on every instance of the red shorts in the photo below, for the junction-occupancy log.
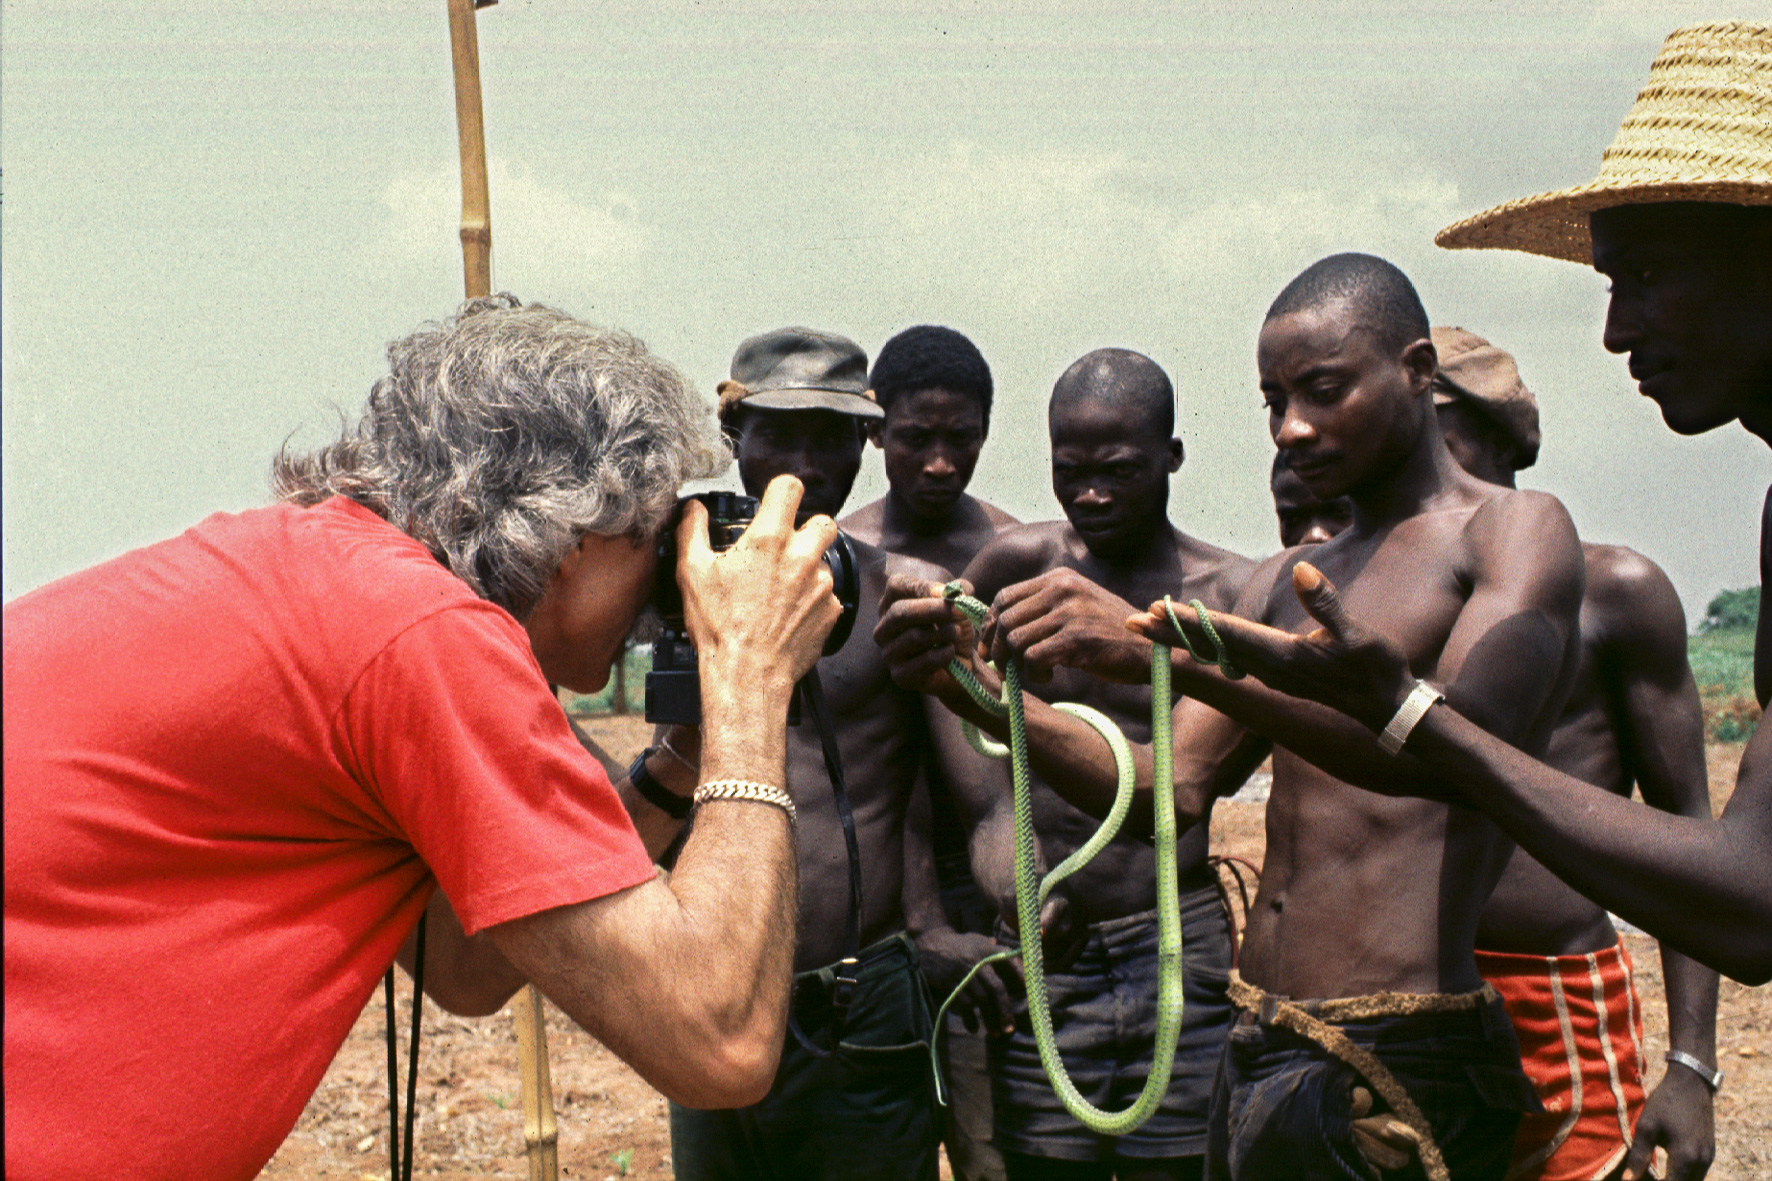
(1577, 1019)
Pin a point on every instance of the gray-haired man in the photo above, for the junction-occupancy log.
(340, 719)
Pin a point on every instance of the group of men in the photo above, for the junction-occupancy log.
(353, 724)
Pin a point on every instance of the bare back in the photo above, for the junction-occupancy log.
(1121, 880)
(1363, 892)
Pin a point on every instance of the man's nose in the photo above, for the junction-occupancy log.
(1091, 495)
(939, 463)
(1316, 534)
(1621, 330)
(1293, 431)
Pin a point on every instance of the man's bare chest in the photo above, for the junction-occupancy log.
(1412, 586)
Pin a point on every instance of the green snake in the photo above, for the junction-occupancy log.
(1031, 892)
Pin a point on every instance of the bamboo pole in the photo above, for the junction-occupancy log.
(541, 1137)
(540, 1133)
(476, 205)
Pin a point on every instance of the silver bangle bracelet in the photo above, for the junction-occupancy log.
(745, 789)
(1414, 708)
(1712, 1078)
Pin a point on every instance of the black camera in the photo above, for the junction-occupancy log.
(673, 687)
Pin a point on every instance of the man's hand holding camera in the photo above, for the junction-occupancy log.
(759, 613)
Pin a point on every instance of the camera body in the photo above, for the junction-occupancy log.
(673, 687)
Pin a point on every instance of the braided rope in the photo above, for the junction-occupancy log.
(1031, 892)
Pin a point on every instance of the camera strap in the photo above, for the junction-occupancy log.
(395, 1156)
(811, 694)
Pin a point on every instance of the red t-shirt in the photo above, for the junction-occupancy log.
(234, 762)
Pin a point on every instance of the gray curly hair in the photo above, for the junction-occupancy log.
(502, 435)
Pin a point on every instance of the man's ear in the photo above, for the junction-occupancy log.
(876, 432)
(1421, 361)
(570, 559)
(1177, 453)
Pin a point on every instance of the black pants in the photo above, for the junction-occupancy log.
(868, 1111)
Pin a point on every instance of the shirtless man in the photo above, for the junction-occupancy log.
(1688, 250)
(935, 389)
(1632, 720)
(1305, 519)
(1362, 894)
(797, 403)
(1112, 419)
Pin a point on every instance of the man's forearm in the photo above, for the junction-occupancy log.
(688, 981)
(1322, 736)
(1691, 1005)
(1703, 887)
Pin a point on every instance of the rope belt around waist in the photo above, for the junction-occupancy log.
(1312, 1020)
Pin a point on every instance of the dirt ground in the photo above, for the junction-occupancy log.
(470, 1122)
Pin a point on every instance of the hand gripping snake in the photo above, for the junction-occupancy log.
(1031, 893)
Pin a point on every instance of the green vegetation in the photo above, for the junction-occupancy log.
(1722, 656)
(638, 661)
(1732, 610)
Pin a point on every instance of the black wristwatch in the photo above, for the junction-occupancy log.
(657, 794)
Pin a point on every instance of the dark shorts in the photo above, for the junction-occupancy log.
(866, 1112)
(1104, 1019)
(1282, 1106)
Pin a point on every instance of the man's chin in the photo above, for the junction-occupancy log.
(1688, 415)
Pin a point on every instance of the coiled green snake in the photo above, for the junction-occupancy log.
(1031, 892)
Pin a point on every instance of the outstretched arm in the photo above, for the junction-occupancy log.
(1704, 887)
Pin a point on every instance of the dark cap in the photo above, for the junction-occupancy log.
(800, 369)
(1479, 375)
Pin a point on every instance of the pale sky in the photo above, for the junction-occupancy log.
(218, 212)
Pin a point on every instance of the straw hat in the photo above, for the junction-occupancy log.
(1701, 130)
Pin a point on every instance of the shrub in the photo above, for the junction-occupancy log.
(1732, 609)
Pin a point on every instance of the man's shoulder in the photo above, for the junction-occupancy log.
(998, 519)
(866, 523)
(1629, 596)
(1039, 543)
(1213, 567)
(1499, 504)
(1523, 526)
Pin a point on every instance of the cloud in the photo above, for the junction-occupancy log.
(425, 207)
